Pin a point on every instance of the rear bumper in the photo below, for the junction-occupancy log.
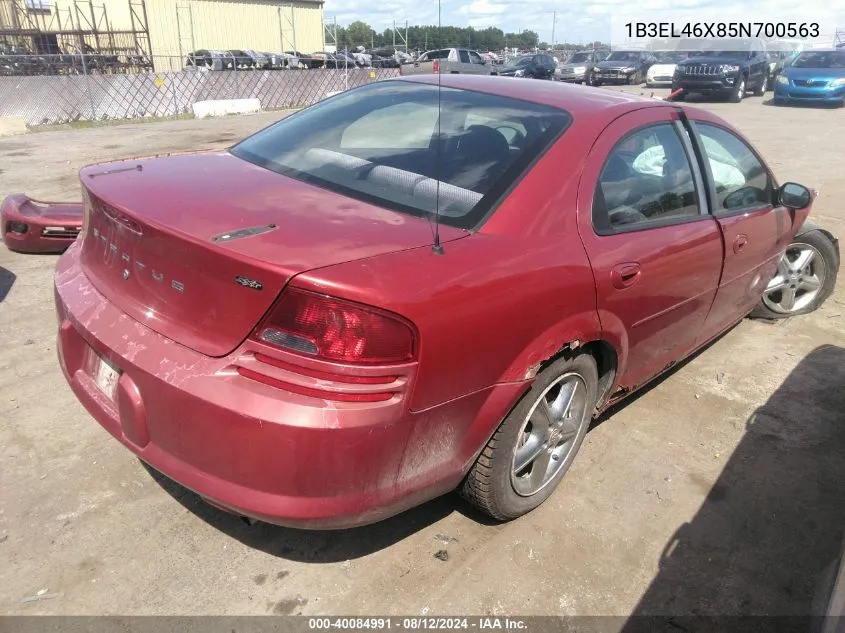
(256, 450)
(29, 226)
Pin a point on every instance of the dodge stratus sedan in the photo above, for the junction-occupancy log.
(406, 290)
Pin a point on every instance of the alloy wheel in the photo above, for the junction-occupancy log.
(552, 428)
(800, 277)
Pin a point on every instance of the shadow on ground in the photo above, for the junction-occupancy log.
(312, 546)
(7, 280)
(770, 532)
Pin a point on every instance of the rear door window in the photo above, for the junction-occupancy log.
(464, 55)
(646, 181)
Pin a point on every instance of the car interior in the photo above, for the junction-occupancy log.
(646, 178)
(473, 152)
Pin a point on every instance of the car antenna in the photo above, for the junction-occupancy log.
(437, 247)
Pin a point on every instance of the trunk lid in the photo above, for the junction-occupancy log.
(197, 247)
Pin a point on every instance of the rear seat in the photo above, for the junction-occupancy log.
(454, 201)
(324, 156)
(385, 176)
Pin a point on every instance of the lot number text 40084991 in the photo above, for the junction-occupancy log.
(419, 623)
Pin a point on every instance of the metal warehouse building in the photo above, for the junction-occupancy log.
(161, 31)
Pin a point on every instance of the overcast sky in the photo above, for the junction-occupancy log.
(585, 20)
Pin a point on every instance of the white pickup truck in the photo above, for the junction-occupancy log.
(449, 61)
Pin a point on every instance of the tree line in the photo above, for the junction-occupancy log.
(429, 37)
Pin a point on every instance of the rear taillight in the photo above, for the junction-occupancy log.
(436, 66)
(326, 328)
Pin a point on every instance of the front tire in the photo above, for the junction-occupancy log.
(739, 91)
(535, 445)
(760, 90)
(806, 277)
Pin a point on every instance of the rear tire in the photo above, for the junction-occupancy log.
(550, 423)
(798, 287)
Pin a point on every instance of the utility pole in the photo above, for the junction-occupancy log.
(554, 19)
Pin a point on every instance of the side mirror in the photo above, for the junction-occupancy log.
(794, 196)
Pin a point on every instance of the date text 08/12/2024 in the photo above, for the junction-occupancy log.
(672, 30)
(420, 623)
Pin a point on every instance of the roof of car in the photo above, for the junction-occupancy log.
(574, 99)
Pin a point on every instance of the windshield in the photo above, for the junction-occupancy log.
(579, 58)
(722, 54)
(670, 57)
(622, 56)
(379, 143)
(519, 61)
(820, 59)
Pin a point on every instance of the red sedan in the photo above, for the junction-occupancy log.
(404, 290)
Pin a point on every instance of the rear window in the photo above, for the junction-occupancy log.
(398, 145)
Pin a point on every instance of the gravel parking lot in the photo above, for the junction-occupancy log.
(718, 490)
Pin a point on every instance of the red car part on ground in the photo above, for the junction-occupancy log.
(297, 352)
(33, 226)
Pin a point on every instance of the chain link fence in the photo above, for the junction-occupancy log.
(103, 96)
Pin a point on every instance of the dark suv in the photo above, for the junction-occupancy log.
(579, 67)
(540, 66)
(623, 67)
(729, 68)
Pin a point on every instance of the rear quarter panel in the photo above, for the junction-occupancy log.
(497, 302)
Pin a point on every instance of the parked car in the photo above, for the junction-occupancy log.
(448, 61)
(260, 61)
(539, 66)
(336, 60)
(361, 367)
(241, 59)
(210, 60)
(401, 57)
(813, 77)
(579, 67)
(623, 67)
(306, 61)
(730, 68)
(32, 226)
(362, 58)
(378, 61)
(353, 60)
(781, 54)
(275, 61)
(17, 60)
(660, 73)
